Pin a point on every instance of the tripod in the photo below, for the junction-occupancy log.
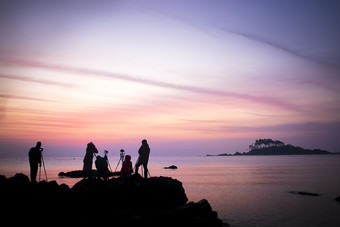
(107, 159)
(122, 155)
(42, 160)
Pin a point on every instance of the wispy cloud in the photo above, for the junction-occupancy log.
(41, 81)
(308, 127)
(9, 96)
(269, 101)
(305, 127)
(281, 47)
(206, 29)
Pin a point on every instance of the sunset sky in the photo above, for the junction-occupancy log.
(191, 77)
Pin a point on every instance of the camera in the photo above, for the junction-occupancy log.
(122, 154)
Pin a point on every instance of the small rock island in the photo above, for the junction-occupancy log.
(276, 147)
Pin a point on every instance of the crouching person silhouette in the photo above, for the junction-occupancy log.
(127, 166)
(34, 156)
(143, 159)
(102, 167)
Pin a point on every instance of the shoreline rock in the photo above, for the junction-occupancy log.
(170, 167)
(304, 193)
(128, 201)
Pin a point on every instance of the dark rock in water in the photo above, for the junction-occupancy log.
(128, 201)
(305, 193)
(338, 199)
(80, 174)
(170, 167)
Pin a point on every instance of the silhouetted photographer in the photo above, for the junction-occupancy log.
(88, 159)
(143, 159)
(35, 159)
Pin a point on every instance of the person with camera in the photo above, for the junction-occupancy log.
(34, 156)
(88, 159)
(143, 159)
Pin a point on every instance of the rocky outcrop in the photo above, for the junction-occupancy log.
(128, 201)
(133, 192)
(81, 174)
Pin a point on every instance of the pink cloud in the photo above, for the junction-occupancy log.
(9, 96)
(45, 82)
(268, 101)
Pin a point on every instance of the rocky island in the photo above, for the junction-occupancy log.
(276, 147)
(122, 201)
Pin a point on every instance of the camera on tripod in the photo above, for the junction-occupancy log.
(122, 154)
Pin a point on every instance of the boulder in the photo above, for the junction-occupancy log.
(20, 178)
(338, 199)
(151, 192)
(170, 167)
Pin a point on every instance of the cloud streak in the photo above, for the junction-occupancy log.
(8, 96)
(306, 127)
(281, 47)
(206, 30)
(45, 82)
(269, 101)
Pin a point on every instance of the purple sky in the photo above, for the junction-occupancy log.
(192, 77)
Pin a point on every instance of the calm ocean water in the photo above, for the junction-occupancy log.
(245, 191)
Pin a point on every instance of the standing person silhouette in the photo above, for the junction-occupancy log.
(34, 156)
(88, 159)
(143, 158)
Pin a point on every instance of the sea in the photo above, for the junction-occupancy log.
(244, 190)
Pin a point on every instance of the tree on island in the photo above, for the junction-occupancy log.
(261, 143)
(276, 147)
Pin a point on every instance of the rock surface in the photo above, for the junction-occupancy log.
(123, 201)
(80, 174)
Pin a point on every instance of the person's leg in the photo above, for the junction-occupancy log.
(136, 168)
(145, 166)
(34, 171)
(87, 170)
